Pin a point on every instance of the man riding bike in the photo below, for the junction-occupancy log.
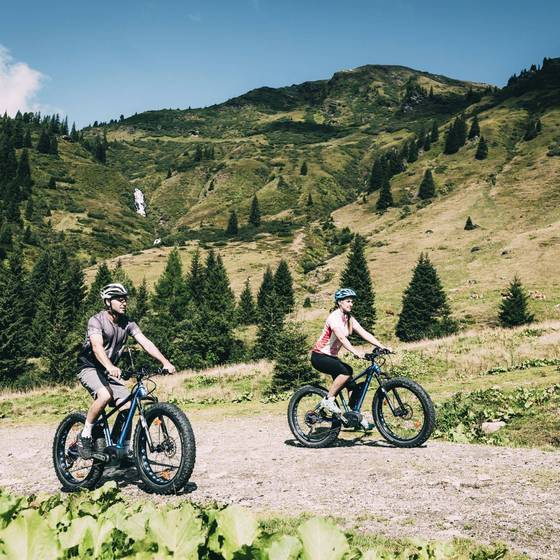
(106, 335)
(340, 324)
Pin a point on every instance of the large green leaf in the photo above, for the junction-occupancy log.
(29, 537)
(235, 528)
(322, 540)
(178, 530)
(88, 534)
(283, 547)
(9, 506)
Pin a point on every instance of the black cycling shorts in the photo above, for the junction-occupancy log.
(330, 365)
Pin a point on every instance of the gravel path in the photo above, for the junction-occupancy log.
(436, 492)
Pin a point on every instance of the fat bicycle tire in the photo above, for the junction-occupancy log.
(161, 482)
(298, 430)
(67, 462)
(427, 418)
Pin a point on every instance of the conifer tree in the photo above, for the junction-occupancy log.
(356, 276)
(246, 312)
(17, 138)
(514, 306)
(461, 124)
(451, 140)
(379, 174)
(283, 286)
(44, 142)
(425, 311)
(469, 225)
(265, 289)
(8, 162)
(255, 213)
(74, 136)
(385, 199)
(232, 226)
(195, 277)
(303, 168)
(23, 175)
(53, 147)
(434, 135)
(218, 296)
(14, 328)
(482, 149)
(169, 291)
(427, 186)
(27, 139)
(292, 368)
(270, 324)
(99, 150)
(93, 303)
(474, 131)
(309, 202)
(412, 152)
(141, 304)
(427, 146)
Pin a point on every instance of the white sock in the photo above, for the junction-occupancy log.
(86, 432)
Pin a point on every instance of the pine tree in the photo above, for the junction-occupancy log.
(385, 199)
(292, 368)
(425, 311)
(99, 150)
(195, 278)
(303, 168)
(412, 152)
(27, 139)
(474, 132)
(8, 162)
(141, 304)
(169, 291)
(265, 289)
(309, 202)
(379, 174)
(356, 276)
(53, 148)
(44, 143)
(283, 286)
(93, 303)
(469, 225)
(232, 227)
(451, 140)
(17, 138)
(255, 213)
(427, 146)
(74, 136)
(13, 325)
(434, 135)
(482, 149)
(514, 306)
(427, 186)
(461, 124)
(218, 296)
(23, 175)
(246, 312)
(270, 325)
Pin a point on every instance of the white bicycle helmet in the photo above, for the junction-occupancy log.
(111, 291)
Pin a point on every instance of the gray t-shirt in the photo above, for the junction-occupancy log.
(114, 339)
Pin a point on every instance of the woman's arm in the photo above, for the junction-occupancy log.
(366, 335)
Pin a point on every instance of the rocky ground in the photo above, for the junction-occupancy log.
(439, 491)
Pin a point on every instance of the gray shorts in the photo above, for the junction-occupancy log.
(93, 379)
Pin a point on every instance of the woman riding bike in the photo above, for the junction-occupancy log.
(340, 324)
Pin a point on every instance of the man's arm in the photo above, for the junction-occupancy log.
(153, 351)
(99, 352)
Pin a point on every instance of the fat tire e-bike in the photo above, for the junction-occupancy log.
(163, 448)
(403, 412)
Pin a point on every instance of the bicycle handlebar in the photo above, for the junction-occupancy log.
(376, 353)
(143, 373)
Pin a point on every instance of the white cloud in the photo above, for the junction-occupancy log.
(19, 85)
(197, 18)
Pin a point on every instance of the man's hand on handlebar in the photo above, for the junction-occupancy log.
(115, 372)
(168, 367)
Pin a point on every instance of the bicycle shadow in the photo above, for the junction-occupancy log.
(358, 441)
(126, 478)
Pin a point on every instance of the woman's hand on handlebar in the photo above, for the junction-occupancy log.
(360, 355)
(115, 372)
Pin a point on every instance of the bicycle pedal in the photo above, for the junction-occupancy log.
(100, 456)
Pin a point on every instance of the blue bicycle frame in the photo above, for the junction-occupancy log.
(371, 371)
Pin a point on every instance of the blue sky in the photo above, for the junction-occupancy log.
(96, 60)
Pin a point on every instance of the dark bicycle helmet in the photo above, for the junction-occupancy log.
(344, 293)
(111, 291)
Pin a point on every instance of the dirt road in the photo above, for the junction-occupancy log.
(436, 492)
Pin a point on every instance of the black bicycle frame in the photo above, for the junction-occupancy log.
(138, 392)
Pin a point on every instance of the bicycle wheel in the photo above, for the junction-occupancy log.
(311, 427)
(74, 472)
(167, 468)
(403, 412)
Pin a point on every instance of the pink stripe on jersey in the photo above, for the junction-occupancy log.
(328, 343)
